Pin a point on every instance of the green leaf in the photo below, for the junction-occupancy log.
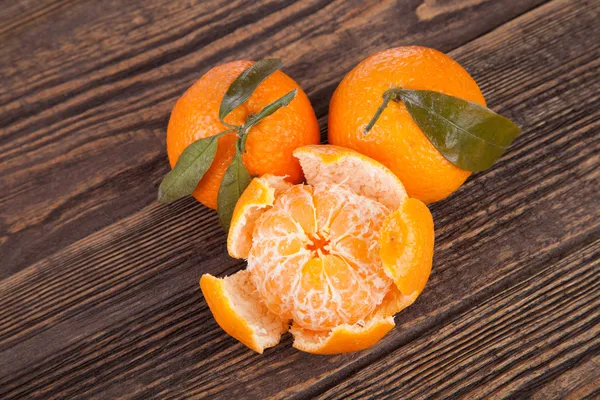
(189, 169)
(234, 182)
(265, 112)
(244, 85)
(469, 135)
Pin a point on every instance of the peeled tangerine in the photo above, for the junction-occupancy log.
(336, 258)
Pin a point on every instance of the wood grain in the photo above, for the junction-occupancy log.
(100, 299)
(78, 138)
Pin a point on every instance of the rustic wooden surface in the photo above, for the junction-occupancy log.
(99, 292)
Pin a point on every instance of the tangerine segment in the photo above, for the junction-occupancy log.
(278, 251)
(330, 293)
(258, 196)
(315, 256)
(354, 234)
(406, 246)
(328, 201)
(298, 202)
(346, 338)
(363, 175)
(237, 309)
(341, 339)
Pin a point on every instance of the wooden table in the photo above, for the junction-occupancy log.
(99, 292)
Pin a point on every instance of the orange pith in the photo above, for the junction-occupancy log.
(270, 143)
(395, 140)
(336, 257)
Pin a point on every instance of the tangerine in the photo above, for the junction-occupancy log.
(338, 256)
(395, 140)
(270, 143)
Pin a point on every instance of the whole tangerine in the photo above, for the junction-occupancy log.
(395, 140)
(270, 143)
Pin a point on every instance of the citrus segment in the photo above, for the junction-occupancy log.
(298, 201)
(354, 232)
(342, 339)
(365, 176)
(258, 196)
(329, 200)
(238, 311)
(330, 294)
(346, 337)
(406, 246)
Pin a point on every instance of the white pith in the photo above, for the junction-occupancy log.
(246, 302)
(369, 179)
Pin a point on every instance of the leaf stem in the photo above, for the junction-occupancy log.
(233, 129)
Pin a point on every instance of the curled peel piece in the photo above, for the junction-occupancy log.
(237, 309)
(406, 246)
(258, 196)
(394, 302)
(343, 338)
(365, 176)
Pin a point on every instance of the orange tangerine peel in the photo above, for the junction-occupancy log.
(338, 256)
(342, 339)
(238, 310)
(365, 176)
(407, 246)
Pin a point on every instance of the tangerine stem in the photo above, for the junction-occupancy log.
(241, 141)
(254, 119)
(244, 130)
(391, 94)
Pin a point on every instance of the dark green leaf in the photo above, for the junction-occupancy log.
(242, 88)
(234, 183)
(189, 169)
(470, 136)
(265, 112)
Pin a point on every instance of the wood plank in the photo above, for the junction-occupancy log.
(19, 15)
(119, 312)
(512, 344)
(83, 114)
(578, 382)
